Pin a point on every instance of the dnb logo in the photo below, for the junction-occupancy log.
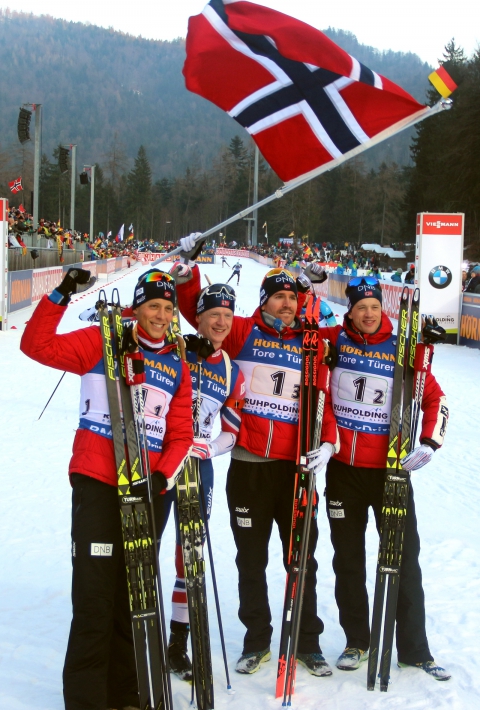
(440, 276)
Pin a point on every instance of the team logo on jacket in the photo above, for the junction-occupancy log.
(440, 276)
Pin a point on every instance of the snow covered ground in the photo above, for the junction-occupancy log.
(35, 547)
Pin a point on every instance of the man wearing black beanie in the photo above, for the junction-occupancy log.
(260, 485)
(361, 387)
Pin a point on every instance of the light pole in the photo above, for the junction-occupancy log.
(249, 221)
(91, 168)
(72, 186)
(255, 198)
(24, 136)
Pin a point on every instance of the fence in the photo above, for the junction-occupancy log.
(27, 286)
(17, 261)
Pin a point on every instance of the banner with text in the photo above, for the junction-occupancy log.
(470, 321)
(438, 268)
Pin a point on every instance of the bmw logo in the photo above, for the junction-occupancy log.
(440, 276)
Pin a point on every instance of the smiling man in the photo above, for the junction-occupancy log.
(261, 479)
(222, 393)
(100, 669)
(361, 387)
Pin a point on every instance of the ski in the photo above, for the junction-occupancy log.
(192, 531)
(311, 406)
(137, 520)
(395, 497)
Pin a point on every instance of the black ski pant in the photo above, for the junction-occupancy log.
(259, 494)
(237, 274)
(99, 670)
(350, 491)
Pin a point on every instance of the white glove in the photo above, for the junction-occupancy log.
(304, 284)
(319, 458)
(417, 458)
(315, 272)
(201, 449)
(187, 243)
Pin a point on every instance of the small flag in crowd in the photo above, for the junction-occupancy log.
(16, 185)
(443, 82)
(130, 229)
(304, 100)
(21, 209)
(119, 237)
(109, 234)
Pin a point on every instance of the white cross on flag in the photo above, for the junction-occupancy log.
(16, 185)
(304, 100)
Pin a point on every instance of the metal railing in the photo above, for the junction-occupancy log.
(17, 261)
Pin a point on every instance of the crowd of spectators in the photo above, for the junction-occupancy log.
(291, 252)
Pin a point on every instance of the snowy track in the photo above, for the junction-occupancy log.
(35, 550)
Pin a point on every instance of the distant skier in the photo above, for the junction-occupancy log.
(236, 272)
(224, 261)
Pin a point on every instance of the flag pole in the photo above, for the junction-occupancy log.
(402, 125)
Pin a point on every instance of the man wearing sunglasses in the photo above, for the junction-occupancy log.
(260, 485)
(361, 390)
(100, 669)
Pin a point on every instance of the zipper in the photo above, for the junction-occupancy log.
(354, 444)
(270, 436)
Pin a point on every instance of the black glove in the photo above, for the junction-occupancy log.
(198, 344)
(432, 332)
(158, 483)
(71, 280)
(332, 358)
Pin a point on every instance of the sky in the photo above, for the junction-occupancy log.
(423, 27)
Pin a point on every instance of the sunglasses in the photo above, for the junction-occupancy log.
(368, 280)
(218, 289)
(153, 276)
(275, 272)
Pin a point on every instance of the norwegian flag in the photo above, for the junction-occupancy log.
(304, 100)
(16, 185)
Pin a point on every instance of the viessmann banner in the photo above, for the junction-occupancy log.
(438, 267)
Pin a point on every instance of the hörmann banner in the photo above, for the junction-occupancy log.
(438, 268)
(470, 322)
(19, 289)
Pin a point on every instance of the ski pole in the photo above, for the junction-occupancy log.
(214, 583)
(56, 388)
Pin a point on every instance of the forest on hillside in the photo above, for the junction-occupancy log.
(96, 83)
(171, 163)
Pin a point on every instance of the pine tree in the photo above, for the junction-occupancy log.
(139, 195)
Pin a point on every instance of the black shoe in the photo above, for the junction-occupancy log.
(315, 663)
(178, 659)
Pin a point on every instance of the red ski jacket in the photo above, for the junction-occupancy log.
(80, 351)
(371, 355)
(263, 436)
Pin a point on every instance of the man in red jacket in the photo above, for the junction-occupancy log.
(99, 669)
(355, 475)
(260, 485)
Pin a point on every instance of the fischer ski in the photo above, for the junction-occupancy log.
(314, 382)
(137, 519)
(192, 532)
(412, 360)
